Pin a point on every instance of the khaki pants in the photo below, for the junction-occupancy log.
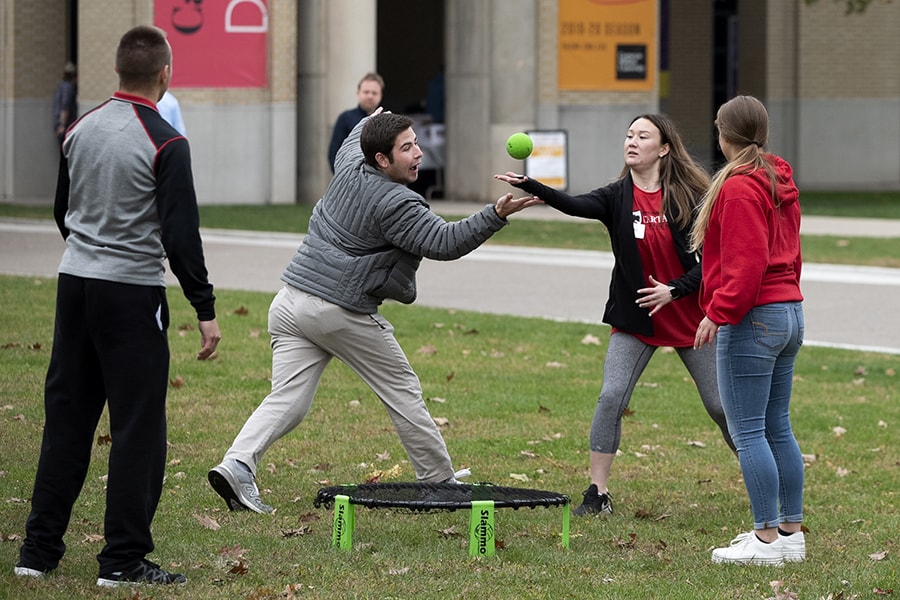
(307, 332)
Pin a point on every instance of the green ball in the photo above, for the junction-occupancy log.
(519, 146)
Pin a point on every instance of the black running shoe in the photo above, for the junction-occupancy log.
(594, 503)
(145, 572)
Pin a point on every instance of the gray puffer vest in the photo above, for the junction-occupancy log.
(368, 235)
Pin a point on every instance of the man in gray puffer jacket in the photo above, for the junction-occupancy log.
(366, 238)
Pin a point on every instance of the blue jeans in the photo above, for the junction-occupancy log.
(755, 369)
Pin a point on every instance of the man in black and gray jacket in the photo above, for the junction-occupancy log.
(366, 238)
(125, 203)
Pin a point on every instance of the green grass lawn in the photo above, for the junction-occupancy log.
(517, 395)
(583, 234)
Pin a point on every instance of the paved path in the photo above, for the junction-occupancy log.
(846, 306)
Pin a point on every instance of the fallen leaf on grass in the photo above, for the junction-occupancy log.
(207, 521)
(239, 569)
(591, 340)
(400, 571)
(232, 551)
(781, 595)
(92, 538)
(449, 532)
(879, 555)
(883, 592)
(519, 476)
(242, 310)
(296, 531)
(9, 537)
(178, 382)
(441, 421)
(697, 444)
(427, 350)
(631, 542)
(309, 517)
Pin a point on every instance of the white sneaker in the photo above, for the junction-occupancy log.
(746, 548)
(793, 547)
(28, 572)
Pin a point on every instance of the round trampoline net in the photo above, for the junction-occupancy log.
(437, 496)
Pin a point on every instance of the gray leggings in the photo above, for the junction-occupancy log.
(626, 359)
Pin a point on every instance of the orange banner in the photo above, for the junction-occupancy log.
(607, 45)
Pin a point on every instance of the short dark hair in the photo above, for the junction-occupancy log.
(379, 134)
(141, 54)
(372, 76)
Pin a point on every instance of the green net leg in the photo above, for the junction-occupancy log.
(481, 528)
(344, 521)
(565, 525)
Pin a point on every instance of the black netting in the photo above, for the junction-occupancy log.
(437, 496)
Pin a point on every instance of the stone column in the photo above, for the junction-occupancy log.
(491, 79)
(336, 46)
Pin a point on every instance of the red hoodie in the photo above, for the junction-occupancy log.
(751, 251)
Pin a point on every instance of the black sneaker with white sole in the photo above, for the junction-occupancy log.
(145, 572)
(22, 570)
(594, 503)
(234, 482)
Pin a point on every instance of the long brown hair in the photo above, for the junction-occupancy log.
(744, 122)
(683, 181)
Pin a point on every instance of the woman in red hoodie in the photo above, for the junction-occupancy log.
(749, 228)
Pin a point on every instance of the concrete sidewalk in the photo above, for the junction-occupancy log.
(846, 306)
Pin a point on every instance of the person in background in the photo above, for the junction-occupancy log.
(648, 212)
(365, 241)
(65, 102)
(170, 109)
(369, 92)
(749, 230)
(125, 204)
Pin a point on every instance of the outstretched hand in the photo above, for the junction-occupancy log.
(507, 205)
(512, 178)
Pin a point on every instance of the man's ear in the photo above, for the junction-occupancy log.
(383, 161)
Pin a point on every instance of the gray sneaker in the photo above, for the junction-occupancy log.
(234, 482)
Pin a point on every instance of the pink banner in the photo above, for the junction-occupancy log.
(216, 43)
